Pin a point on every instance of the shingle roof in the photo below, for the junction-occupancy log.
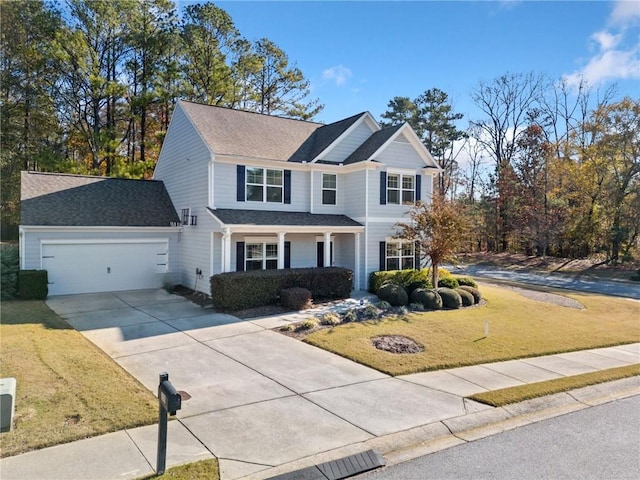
(236, 132)
(74, 200)
(322, 138)
(262, 217)
(371, 144)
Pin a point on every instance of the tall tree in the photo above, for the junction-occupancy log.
(281, 89)
(30, 136)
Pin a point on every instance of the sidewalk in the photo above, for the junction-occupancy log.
(401, 418)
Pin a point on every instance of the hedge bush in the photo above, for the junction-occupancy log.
(477, 296)
(467, 297)
(395, 294)
(409, 279)
(450, 298)
(448, 282)
(295, 298)
(9, 267)
(241, 290)
(428, 298)
(33, 285)
(467, 281)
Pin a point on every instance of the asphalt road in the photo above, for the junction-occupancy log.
(600, 443)
(607, 287)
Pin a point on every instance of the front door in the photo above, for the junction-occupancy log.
(320, 254)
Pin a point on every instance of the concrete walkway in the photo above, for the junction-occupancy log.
(264, 403)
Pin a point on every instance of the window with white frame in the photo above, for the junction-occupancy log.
(400, 255)
(261, 256)
(401, 189)
(264, 185)
(329, 189)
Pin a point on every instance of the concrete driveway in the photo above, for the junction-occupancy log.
(259, 399)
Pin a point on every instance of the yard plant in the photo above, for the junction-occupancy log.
(519, 327)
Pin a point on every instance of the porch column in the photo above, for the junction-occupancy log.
(226, 250)
(327, 249)
(356, 267)
(281, 250)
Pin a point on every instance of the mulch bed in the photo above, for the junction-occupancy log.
(396, 344)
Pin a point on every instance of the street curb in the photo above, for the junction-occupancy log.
(410, 444)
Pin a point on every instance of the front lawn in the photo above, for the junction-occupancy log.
(67, 388)
(518, 327)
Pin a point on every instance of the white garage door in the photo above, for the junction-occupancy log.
(104, 266)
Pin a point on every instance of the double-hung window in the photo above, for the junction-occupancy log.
(261, 256)
(329, 189)
(400, 255)
(401, 189)
(264, 185)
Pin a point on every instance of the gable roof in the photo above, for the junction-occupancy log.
(75, 200)
(228, 131)
(322, 138)
(371, 145)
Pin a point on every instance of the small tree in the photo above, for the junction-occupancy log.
(439, 229)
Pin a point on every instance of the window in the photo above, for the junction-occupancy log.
(264, 185)
(261, 256)
(186, 216)
(399, 255)
(329, 189)
(400, 189)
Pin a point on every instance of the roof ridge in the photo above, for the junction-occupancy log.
(77, 175)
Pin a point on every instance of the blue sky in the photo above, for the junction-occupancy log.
(358, 55)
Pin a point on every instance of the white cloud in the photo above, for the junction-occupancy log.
(625, 12)
(340, 74)
(614, 59)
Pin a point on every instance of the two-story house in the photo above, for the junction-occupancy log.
(251, 191)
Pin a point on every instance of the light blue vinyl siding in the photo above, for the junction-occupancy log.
(349, 144)
(401, 155)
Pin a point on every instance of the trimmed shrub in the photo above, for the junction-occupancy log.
(429, 298)
(9, 267)
(370, 311)
(309, 324)
(395, 294)
(350, 316)
(33, 285)
(233, 291)
(409, 279)
(467, 282)
(467, 297)
(448, 282)
(330, 319)
(383, 305)
(450, 298)
(295, 298)
(477, 296)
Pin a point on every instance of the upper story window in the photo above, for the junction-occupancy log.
(399, 255)
(264, 185)
(400, 189)
(261, 256)
(329, 189)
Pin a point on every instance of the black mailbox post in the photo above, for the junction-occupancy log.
(170, 401)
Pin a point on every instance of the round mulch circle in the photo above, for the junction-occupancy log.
(396, 344)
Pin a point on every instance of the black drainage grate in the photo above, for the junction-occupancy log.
(338, 469)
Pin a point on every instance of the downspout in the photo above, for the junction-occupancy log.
(366, 224)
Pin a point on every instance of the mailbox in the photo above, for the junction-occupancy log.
(169, 397)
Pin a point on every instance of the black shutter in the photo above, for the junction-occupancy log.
(383, 256)
(240, 183)
(383, 188)
(239, 256)
(418, 187)
(287, 186)
(287, 254)
(320, 253)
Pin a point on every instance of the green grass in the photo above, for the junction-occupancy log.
(505, 396)
(204, 469)
(67, 388)
(518, 327)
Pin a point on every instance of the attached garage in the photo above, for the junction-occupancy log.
(99, 266)
(97, 234)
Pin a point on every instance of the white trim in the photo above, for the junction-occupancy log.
(266, 229)
(320, 238)
(345, 134)
(211, 182)
(266, 239)
(260, 162)
(322, 189)
(103, 229)
(414, 141)
(89, 241)
(265, 185)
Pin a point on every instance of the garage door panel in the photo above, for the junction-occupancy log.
(102, 267)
